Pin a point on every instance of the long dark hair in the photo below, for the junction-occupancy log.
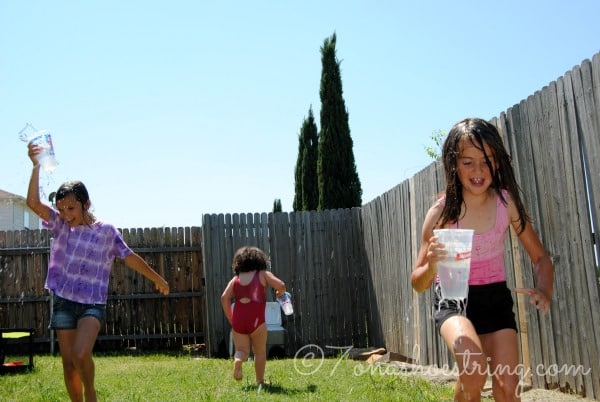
(248, 259)
(478, 132)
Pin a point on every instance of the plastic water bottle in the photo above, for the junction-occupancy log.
(42, 139)
(285, 301)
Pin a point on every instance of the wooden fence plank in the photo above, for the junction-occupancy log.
(587, 112)
(534, 192)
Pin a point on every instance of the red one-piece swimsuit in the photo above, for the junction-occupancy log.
(249, 316)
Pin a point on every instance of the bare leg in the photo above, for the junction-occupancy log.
(76, 347)
(503, 349)
(259, 347)
(242, 350)
(462, 340)
(87, 332)
(66, 338)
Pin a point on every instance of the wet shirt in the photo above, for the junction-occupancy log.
(487, 250)
(487, 253)
(81, 259)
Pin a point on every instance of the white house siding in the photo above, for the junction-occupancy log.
(12, 213)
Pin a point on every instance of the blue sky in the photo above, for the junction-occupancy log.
(168, 110)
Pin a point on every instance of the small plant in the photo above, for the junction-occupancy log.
(438, 137)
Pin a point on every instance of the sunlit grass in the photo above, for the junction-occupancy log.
(183, 377)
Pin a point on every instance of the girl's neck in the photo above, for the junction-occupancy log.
(88, 219)
(478, 212)
(479, 199)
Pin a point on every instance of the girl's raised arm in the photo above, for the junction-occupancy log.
(33, 192)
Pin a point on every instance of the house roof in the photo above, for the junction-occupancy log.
(7, 195)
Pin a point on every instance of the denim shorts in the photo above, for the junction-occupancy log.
(66, 313)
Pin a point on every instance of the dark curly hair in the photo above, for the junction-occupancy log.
(478, 132)
(248, 259)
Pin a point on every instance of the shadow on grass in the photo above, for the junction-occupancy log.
(278, 389)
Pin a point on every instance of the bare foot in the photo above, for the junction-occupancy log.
(237, 370)
(262, 384)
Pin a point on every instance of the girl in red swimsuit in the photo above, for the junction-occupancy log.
(482, 194)
(247, 318)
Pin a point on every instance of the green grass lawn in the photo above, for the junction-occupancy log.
(182, 377)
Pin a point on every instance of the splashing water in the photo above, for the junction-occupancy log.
(47, 185)
(24, 136)
(454, 303)
(27, 131)
(458, 304)
(43, 140)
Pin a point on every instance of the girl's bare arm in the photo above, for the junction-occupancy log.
(275, 283)
(543, 269)
(137, 263)
(430, 253)
(226, 298)
(33, 191)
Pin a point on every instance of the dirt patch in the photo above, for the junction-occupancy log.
(394, 363)
(529, 394)
(545, 395)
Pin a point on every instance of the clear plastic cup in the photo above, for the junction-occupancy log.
(285, 301)
(454, 270)
(46, 157)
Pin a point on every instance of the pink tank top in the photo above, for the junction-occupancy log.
(487, 254)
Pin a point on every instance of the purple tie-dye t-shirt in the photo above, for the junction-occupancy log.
(81, 259)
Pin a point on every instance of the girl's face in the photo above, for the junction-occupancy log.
(71, 211)
(473, 171)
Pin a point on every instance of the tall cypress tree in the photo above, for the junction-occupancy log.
(297, 204)
(339, 185)
(306, 197)
(310, 185)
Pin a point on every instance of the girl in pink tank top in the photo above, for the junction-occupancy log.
(481, 194)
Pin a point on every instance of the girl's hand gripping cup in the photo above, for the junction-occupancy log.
(42, 139)
(285, 301)
(454, 270)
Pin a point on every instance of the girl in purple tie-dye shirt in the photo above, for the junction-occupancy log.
(81, 259)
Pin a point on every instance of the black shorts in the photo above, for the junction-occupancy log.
(488, 307)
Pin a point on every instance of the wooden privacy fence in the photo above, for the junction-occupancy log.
(320, 258)
(137, 315)
(554, 140)
(349, 270)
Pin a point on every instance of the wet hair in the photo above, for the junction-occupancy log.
(78, 190)
(248, 259)
(478, 132)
